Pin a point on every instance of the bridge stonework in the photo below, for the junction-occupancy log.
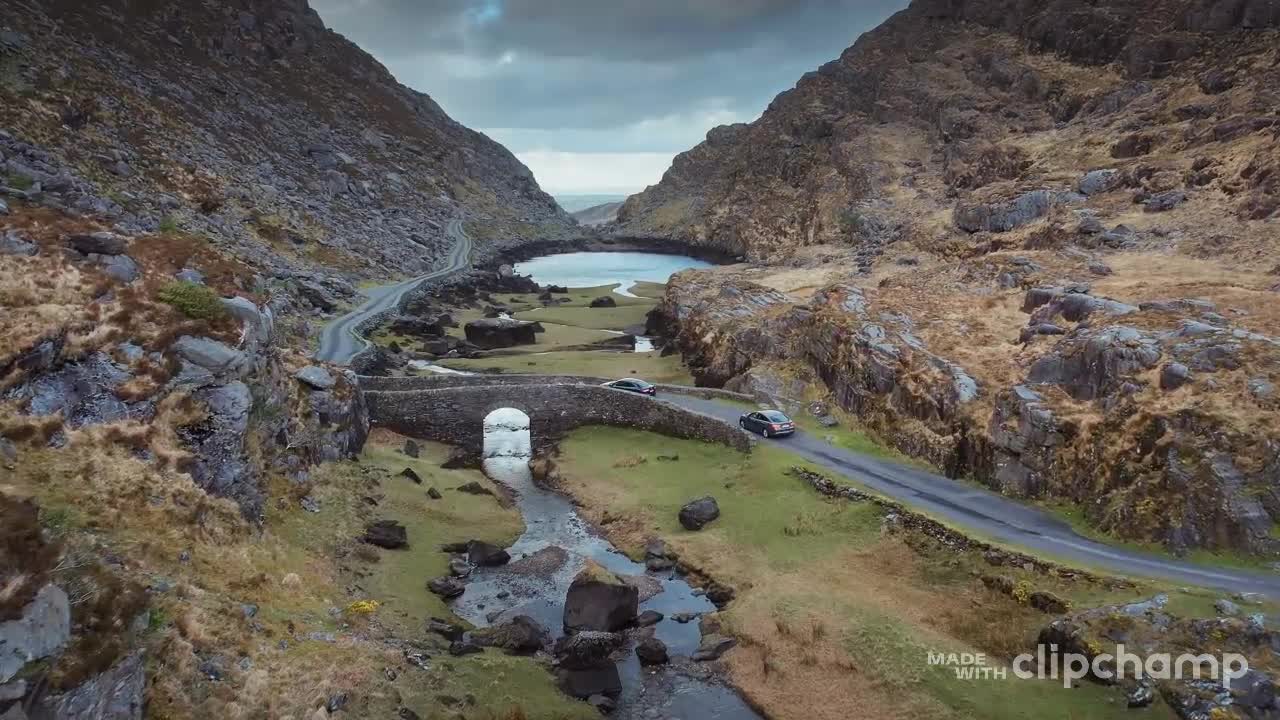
(455, 415)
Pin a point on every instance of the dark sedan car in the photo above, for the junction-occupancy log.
(769, 423)
(634, 385)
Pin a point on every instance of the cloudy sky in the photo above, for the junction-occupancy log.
(597, 96)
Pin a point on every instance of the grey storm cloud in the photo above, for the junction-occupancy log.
(641, 77)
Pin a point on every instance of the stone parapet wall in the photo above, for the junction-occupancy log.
(455, 414)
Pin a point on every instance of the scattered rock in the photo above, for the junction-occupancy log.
(604, 301)
(1097, 182)
(412, 475)
(1174, 376)
(1141, 696)
(387, 534)
(697, 513)
(444, 629)
(98, 243)
(411, 448)
(446, 587)
(474, 488)
(13, 243)
(712, 647)
(652, 651)
(1226, 608)
(315, 377)
(458, 648)
(433, 493)
(1165, 201)
(1261, 388)
(190, 275)
(603, 703)
(459, 568)
(648, 618)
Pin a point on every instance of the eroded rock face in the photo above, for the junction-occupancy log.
(1082, 417)
(43, 628)
(117, 694)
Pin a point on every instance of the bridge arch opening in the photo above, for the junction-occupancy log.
(508, 447)
(506, 434)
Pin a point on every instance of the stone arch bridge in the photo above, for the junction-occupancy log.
(452, 408)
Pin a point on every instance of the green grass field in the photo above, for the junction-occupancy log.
(397, 581)
(824, 595)
(646, 366)
(615, 318)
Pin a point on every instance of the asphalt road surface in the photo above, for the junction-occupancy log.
(339, 342)
(1003, 520)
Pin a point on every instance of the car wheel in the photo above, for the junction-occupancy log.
(742, 424)
(765, 432)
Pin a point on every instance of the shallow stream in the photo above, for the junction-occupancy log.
(555, 546)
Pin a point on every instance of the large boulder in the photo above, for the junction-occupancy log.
(486, 554)
(491, 333)
(523, 635)
(98, 243)
(315, 377)
(697, 513)
(387, 534)
(604, 301)
(583, 684)
(599, 600)
(587, 649)
(216, 357)
(652, 651)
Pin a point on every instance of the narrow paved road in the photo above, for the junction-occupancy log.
(1006, 521)
(339, 342)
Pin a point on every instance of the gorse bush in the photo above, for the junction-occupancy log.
(193, 300)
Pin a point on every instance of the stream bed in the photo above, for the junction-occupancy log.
(555, 546)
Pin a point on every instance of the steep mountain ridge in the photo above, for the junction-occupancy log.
(251, 123)
(1031, 243)
(970, 99)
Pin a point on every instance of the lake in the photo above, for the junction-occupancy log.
(591, 269)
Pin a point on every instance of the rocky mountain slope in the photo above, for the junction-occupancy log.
(188, 191)
(253, 125)
(1032, 243)
(598, 214)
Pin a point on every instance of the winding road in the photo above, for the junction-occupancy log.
(339, 341)
(993, 516)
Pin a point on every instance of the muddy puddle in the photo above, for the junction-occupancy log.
(555, 546)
